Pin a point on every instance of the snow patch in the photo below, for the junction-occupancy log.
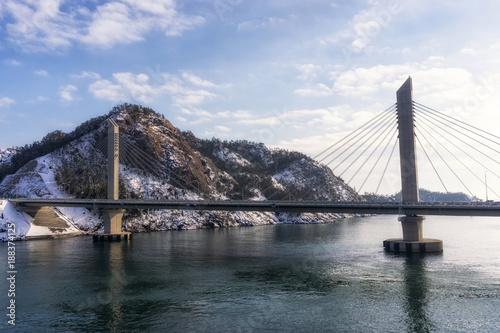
(10, 216)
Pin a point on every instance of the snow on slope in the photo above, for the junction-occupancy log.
(8, 216)
(6, 155)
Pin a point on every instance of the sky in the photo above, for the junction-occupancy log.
(293, 74)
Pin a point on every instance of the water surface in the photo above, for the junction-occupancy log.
(281, 278)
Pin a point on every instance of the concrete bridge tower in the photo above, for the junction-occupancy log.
(412, 240)
(113, 217)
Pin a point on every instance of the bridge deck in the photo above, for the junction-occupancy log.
(397, 208)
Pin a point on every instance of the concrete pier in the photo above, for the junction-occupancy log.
(113, 217)
(412, 240)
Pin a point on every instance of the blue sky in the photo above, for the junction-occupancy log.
(293, 74)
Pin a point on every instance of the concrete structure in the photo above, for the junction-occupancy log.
(413, 240)
(113, 217)
(113, 159)
(407, 152)
(46, 216)
(347, 207)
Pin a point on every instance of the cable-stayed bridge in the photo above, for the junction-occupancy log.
(408, 123)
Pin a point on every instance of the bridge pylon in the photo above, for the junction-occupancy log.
(113, 217)
(412, 240)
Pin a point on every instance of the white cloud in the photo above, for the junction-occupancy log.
(193, 97)
(197, 112)
(47, 25)
(321, 90)
(127, 86)
(38, 99)
(469, 51)
(322, 118)
(39, 25)
(66, 93)
(242, 114)
(5, 102)
(223, 114)
(12, 62)
(41, 72)
(365, 26)
(113, 24)
(308, 71)
(86, 75)
(437, 84)
(199, 121)
(105, 89)
(223, 128)
(197, 81)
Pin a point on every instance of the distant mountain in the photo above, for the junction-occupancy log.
(425, 195)
(159, 161)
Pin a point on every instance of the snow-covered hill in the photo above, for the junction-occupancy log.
(159, 161)
(6, 155)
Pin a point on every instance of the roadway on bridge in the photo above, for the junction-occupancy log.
(363, 207)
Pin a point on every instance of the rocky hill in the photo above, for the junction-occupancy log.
(159, 161)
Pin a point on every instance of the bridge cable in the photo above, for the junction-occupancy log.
(151, 162)
(387, 165)
(148, 163)
(481, 143)
(449, 167)
(376, 141)
(140, 160)
(353, 132)
(459, 121)
(475, 149)
(458, 159)
(464, 142)
(378, 159)
(386, 116)
(432, 164)
(377, 120)
(388, 130)
(462, 150)
(363, 134)
(366, 136)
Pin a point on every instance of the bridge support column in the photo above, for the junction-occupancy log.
(412, 228)
(113, 221)
(113, 226)
(412, 240)
(113, 217)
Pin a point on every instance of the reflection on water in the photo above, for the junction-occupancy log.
(117, 283)
(282, 278)
(417, 293)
